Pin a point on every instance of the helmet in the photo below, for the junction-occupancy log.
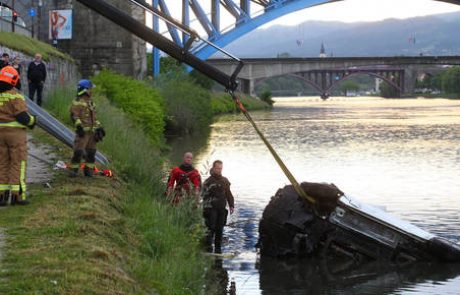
(9, 75)
(83, 86)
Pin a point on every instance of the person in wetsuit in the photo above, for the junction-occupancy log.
(216, 195)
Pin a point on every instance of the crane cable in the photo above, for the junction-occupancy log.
(280, 162)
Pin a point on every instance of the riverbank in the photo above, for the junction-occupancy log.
(103, 235)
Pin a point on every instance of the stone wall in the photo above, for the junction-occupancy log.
(99, 43)
(59, 71)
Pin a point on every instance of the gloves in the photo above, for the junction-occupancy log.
(80, 132)
(99, 134)
(32, 122)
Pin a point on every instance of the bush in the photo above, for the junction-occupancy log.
(222, 103)
(188, 105)
(266, 96)
(142, 102)
(451, 81)
(388, 91)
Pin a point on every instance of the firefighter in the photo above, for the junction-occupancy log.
(216, 195)
(184, 180)
(14, 119)
(88, 130)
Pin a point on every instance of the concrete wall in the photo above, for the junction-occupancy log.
(59, 71)
(97, 42)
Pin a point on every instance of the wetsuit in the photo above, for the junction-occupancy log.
(216, 195)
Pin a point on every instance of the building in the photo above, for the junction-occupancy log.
(95, 42)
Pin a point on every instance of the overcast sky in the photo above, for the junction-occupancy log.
(346, 11)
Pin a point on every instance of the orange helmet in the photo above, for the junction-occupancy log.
(9, 75)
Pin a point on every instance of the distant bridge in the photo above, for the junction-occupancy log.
(323, 74)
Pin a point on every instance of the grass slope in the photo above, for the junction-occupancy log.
(104, 236)
(30, 46)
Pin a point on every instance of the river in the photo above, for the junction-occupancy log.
(402, 154)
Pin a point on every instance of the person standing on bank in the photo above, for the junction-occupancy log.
(36, 75)
(17, 66)
(5, 61)
(184, 181)
(87, 128)
(216, 195)
(14, 119)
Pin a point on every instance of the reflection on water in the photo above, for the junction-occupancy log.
(400, 154)
(317, 276)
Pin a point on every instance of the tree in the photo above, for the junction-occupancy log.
(387, 90)
(450, 81)
(266, 96)
(348, 85)
(202, 80)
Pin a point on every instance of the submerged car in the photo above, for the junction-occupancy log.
(337, 224)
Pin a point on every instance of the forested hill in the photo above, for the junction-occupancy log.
(429, 35)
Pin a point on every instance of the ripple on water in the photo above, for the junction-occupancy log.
(400, 154)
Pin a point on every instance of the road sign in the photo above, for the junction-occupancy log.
(32, 12)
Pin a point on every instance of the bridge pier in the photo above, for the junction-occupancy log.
(247, 86)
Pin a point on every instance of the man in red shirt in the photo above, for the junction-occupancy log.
(184, 181)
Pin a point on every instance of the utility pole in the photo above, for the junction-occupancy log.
(12, 17)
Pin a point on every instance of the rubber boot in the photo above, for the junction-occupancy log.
(73, 172)
(3, 198)
(17, 200)
(88, 172)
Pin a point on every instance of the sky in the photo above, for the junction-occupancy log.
(346, 11)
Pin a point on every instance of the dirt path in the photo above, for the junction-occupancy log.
(39, 163)
(39, 170)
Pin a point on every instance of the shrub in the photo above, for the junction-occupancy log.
(223, 103)
(142, 102)
(188, 105)
(266, 96)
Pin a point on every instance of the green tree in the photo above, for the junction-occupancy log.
(202, 80)
(348, 85)
(168, 65)
(266, 96)
(388, 91)
(450, 81)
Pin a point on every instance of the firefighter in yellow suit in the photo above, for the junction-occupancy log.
(14, 119)
(88, 130)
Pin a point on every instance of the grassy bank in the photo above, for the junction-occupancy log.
(30, 46)
(222, 103)
(104, 236)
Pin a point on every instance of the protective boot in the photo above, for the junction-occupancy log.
(73, 172)
(88, 172)
(17, 200)
(3, 198)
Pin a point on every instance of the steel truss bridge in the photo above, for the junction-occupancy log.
(247, 15)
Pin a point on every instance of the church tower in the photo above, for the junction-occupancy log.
(322, 52)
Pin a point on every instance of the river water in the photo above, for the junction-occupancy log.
(402, 154)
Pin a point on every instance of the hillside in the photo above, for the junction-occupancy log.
(428, 35)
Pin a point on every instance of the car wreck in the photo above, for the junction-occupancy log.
(340, 225)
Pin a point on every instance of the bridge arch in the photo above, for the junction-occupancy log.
(325, 92)
(314, 85)
(386, 79)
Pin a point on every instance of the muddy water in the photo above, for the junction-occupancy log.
(400, 154)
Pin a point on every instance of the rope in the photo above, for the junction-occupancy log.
(280, 162)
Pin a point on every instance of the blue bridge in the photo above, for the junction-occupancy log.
(247, 15)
